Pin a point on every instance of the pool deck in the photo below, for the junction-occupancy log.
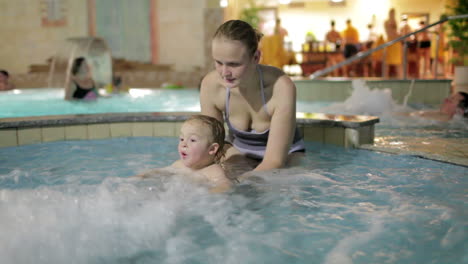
(448, 150)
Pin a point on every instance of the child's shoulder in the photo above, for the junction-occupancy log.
(214, 172)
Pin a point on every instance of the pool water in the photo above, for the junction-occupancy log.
(75, 202)
(49, 101)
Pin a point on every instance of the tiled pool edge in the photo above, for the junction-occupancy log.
(32, 130)
(439, 158)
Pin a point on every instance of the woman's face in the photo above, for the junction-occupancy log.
(232, 60)
(450, 104)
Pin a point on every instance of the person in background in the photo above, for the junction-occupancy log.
(424, 49)
(333, 37)
(351, 45)
(393, 54)
(5, 84)
(272, 47)
(405, 28)
(439, 41)
(366, 62)
(455, 104)
(258, 102)
(80, 84)
(201, 147)
(412, 57)
(377, 57)
(279, 29)
(116, 86)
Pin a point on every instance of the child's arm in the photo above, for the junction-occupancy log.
(217, 178)
(150, 173)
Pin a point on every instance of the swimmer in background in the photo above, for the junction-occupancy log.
(201, 147)
(80, 84)
(116, 86)
(456, 104)
(5, 84)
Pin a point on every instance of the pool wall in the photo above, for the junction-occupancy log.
(427, 92)
(346, 131)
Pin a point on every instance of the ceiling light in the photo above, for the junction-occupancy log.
(223, 3)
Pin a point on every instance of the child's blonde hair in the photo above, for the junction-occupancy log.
(217, 132)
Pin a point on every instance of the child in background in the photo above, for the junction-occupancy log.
(201, 146)
(5, 85)
(116, 86)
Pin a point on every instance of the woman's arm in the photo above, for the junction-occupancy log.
(282, 126)
(208, 96)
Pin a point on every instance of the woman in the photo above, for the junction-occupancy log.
(81, 84)
(258, 102)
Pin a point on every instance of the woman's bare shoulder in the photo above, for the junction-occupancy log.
(210, 81)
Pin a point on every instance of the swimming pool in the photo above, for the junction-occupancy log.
(49, 101)
(73, 201)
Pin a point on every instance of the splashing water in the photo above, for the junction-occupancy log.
(364, 101)
(73, 202)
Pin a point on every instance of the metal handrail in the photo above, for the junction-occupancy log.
(366, 53)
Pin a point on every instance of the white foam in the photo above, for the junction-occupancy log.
(364, 101)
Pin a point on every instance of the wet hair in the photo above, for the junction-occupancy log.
(217, 132)
(241, 31)
(4, 72)
(463, 104)
(77, 64)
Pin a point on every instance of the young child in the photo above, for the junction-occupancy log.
(5, 85)
(201, 144)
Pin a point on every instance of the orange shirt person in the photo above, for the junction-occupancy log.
(334, 38)
(351, 42)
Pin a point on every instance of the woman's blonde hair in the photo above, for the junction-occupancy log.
(217, 132)
(241, 31)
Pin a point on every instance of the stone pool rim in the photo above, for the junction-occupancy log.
(82, 119)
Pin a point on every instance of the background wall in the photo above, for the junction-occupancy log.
(26, 41)
(179, 25)
(182, 27)
(181, 33)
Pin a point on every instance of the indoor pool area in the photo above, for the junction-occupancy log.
(345, 135)
(396, 191)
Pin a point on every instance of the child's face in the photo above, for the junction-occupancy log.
(196, 149)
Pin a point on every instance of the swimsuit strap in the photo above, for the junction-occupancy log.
(260, 73)
(228, 95)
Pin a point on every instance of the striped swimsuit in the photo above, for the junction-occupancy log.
(252, 143)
